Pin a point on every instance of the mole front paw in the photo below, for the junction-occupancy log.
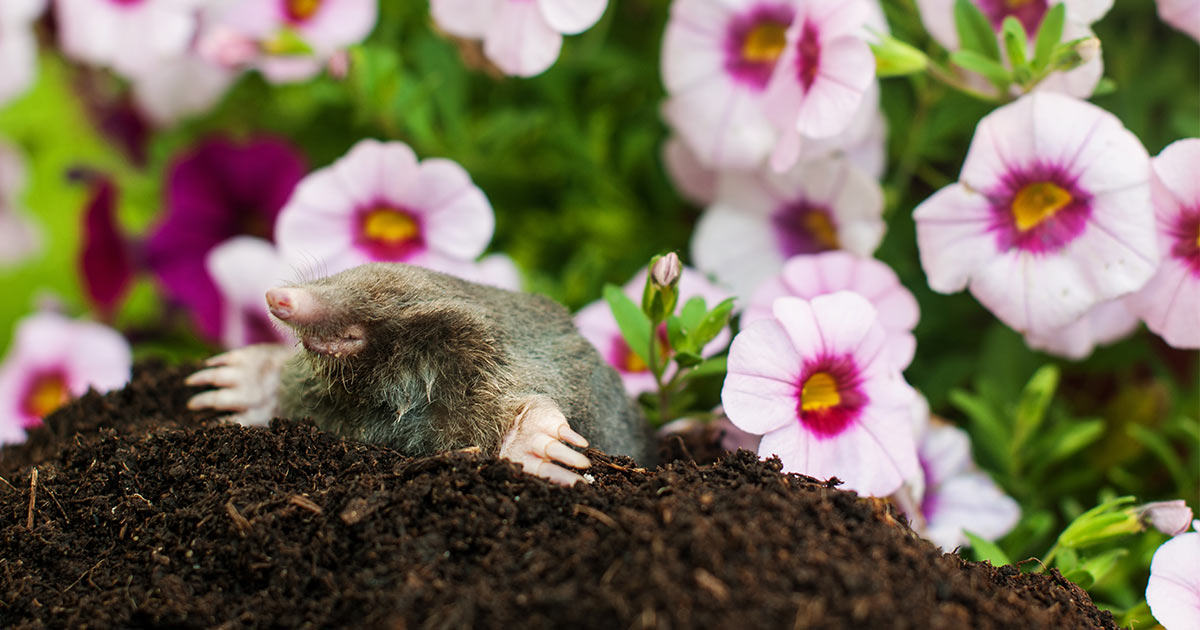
(246, 382)
(538, 442)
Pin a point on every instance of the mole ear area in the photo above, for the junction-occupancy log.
(443, 331)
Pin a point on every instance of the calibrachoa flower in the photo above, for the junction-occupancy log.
(1050, 216)
(244, 268)
(1173, 591)
(179, 87)
(761, 219)
(130, 37)
(695, 182)
(1169, 517)
(815, 381)
(812, 275)
(597, 325)
(1181, 14)
(52, 359)
(957, 495)
(214, 192)
(19, 239)
(1106, 323)
(938, 16)
(497, 270)
(1169, 302)
(377, 203)
(522, 37)
(18, 46)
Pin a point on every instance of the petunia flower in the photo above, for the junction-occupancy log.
(215, 191)
(129, 37)
(1108, 322)
(760, 219)
(244, 268)
(378, 203)
(596, 323)
(1181, 14)
(19, 238)
(938, 17)
(816, 382)
(1050, 216)
(808, 276)
(522, 37)
(51, 360)
(18, 46)
(958, 496)
(1173, 591)
(1170, 300)
(497, 270)
(695, 182)
(181, 86)
(1169, 517)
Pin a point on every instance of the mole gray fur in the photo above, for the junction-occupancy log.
(448, 363)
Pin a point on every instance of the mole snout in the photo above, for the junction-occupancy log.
(293, 305)
(314, 322)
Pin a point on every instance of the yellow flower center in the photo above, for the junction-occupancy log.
(1016, 4)
(48, 393)
(390, 226)
(634, 363)
(302, 9)
(765, 43)
(1037, 202)
(820, 391)
(820, 227)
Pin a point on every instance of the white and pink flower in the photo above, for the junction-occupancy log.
(53, 359)
(18, 46)
(19, 238)
(1171, 299)
(244, 268)
(1169, 517)
(522, 37)
(378, 203)
(808, 276)
(1173, 591)
(1051, 215)
(1108, 322)
(760, 219)
(129, 36)
(816, 383)
(596, 323)
(181, 86)
(1181, 14)
(695, 182)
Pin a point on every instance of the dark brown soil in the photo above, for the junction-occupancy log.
(152, 517)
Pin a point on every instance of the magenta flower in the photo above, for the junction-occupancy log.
(18, 46)
(812, 275)
(596, 323)
(107, 258)
(1108, 322)
(522, 37)
(19, 238)
(1170, 300)
(216, 191)
(53, 359)
(378, 203)
(244, 268)
(1181, 14)
(1051, 215)
(1173, 591)
(816, 382)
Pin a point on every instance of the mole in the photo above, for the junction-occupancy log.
(425, 362)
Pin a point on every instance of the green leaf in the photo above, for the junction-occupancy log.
(1101, 524)
(712, 324)
(969, 60)
(1100, 565)
(634, 325)
(693, 311)
(986, 550)
(894, 58)
(1074, 438)
(1016, 43)
(1048, 35)
(715, 365)
(1105, 86)
(287, 43)
(687, 359)
(988, 432)
(1031, 408)
(975, 32)
(1081, 577)
(676, 333)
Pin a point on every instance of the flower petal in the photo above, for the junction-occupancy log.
(759, 394)
(953, 237)
(572, 16)
(519, 41)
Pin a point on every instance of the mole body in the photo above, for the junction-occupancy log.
(425, 362)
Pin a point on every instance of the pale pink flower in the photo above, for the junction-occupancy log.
(695, 182)
(18, 46)
(596, 323)
(1050, 216)
(1107, 322)
(180, 87)
(522, 37)
(377, 203)
(51, 360)
(958, 496)
(1181, 14)
(1171, 299)
(815, 381)
(19, 238)
(1169, 517)
(808, 276)
(863, 142)
(129, 36)
(497, 270)
(1173, 591)
(760, 219)
(938, 16)
(244, 268)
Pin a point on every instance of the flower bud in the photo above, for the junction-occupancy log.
(1169, 517)
(665, 270)
(895, 58)
(1078, 53)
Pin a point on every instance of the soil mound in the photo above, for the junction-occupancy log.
(152, 517)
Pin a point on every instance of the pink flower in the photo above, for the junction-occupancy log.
(695, 182)
(18, 46)
(938, 16)
(1050, 217)
(761, 219)
(179, 87)
(1169, 517)
(1170, 300)
(19, 238)
(815, 381)
(1173, 591)
(129, 36)
(1181, 14)
(596, 324)
(244, 268)
(497, 270)
(958, 496)
(52, 359)
(377, 203)
(812, 275)
(1108, 322)
(522, 37)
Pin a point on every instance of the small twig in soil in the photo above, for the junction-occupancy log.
(683, 447)
(60, 507)
(596, 514)
(239, 521)
(712, 584)
(32, 498)
(622, 468)
(306, 503)
(83, 575)
(14, 489)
